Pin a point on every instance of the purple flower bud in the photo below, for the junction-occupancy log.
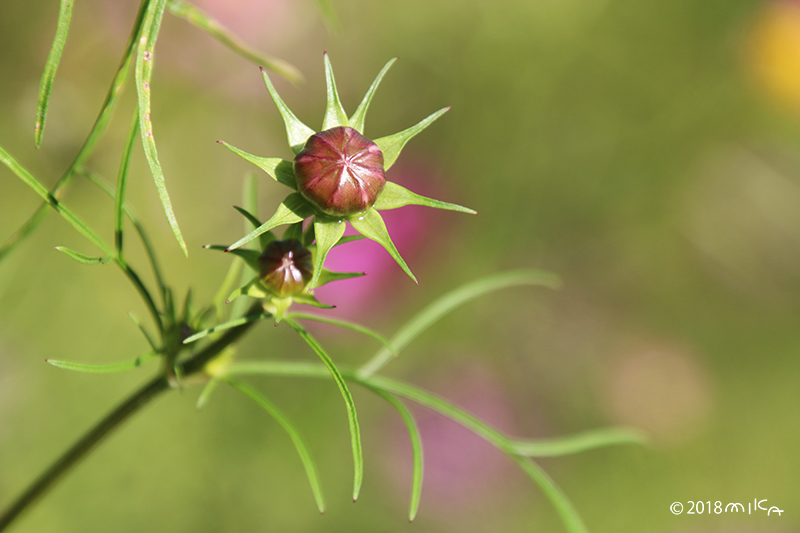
(286, 267)
(340, 171)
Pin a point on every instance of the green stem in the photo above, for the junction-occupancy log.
(112, 421)
(81, 448)
(145, 294)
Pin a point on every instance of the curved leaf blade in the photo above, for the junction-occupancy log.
(352, 418)
(50, 67)
(108, 368)
(416, 448)
(557, 498)
(144, 71)
(122, 180)
(580, 442)
(91, 139)
(452, 300)
(81, 258)
(294, 434)
(344, 324)
(225, 325)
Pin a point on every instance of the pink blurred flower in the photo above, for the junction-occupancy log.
(461, 469)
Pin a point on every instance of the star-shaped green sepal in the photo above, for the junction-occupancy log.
(338, 176)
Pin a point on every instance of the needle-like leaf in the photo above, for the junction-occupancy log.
(206, 393)
(557, 498)
(344, 324)
(355, 432)
(416, 448)
(104, 368)
(81, 258)
(587, 440)
(452, 300)
(42, 191)
(300, 446)
(226, 325)
(112, 96)
(144, 70)
(62, 27)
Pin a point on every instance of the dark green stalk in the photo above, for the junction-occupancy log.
(112, 421)
(148, 246)
(88, 145)
(81, 448)
(145, 294)
(122, 180)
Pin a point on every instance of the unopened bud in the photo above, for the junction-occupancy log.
(340, 171)
(286, 267)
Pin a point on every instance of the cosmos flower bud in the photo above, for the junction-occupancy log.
(340, 171)
(286, 267)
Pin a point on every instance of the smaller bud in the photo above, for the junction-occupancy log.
(286, 267)
(340, 171)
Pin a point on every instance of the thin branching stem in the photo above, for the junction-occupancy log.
(112, 421)
(80, 449)
(91, 139)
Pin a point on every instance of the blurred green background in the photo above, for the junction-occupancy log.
(647, 152)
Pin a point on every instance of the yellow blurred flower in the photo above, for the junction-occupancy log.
(775, 52)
